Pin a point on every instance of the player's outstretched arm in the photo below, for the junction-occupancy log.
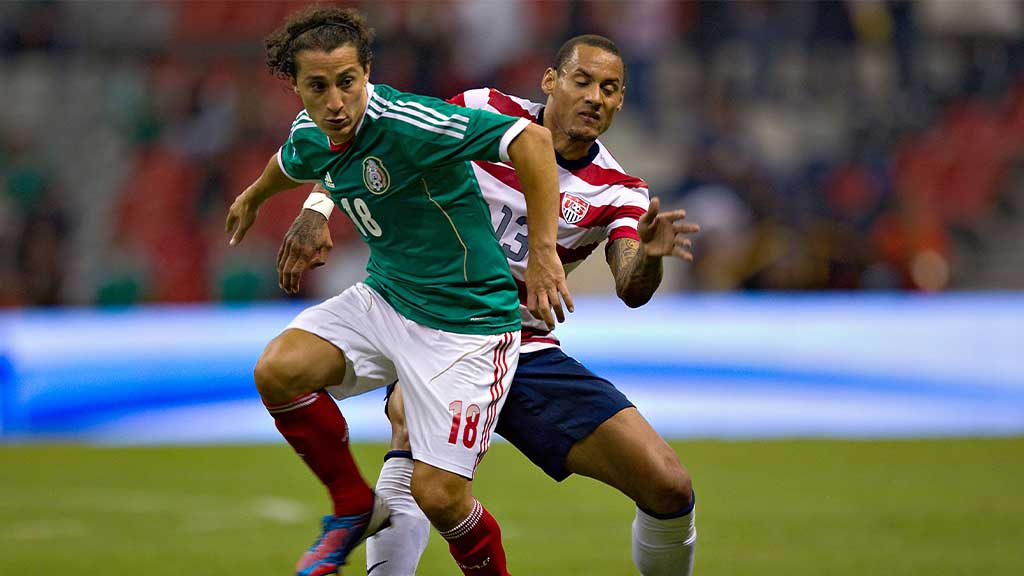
(533, 157)
(307, 242)
(243, 210)
(636, 265)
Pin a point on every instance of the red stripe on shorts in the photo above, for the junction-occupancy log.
(497, 388)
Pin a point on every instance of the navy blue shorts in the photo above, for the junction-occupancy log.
(553, 403)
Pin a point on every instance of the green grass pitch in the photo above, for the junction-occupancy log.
(788, 507)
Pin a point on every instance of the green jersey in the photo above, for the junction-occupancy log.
(406, 183)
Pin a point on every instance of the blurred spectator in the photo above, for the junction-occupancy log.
(40, 259)
(822, 145)
(912, 245)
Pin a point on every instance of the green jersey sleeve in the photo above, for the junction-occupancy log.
(304, 143)
(438, 133)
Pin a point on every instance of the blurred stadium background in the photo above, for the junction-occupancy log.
(857, 167)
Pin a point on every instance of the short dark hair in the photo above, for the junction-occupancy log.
(317, 28)
(606, 44)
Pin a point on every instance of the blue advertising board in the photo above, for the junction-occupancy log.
(721, 366)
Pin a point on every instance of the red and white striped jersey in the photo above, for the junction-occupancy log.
(599, 201)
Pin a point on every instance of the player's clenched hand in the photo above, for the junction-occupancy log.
(306, 245)
(665, 234)
(545, 286)
(241, 215)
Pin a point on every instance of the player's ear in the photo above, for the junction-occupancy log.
(547, 83)
(622, 99)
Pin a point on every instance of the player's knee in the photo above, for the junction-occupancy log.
(442, 502)
(670, 489)
(434, 499)
(281, 374)
(400, 437)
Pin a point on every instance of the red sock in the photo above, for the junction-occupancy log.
(476, 544)
(315, 428)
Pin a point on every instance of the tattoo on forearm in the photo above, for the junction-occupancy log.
(636, 275)
(306, 229)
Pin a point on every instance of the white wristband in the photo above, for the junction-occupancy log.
(319, 202)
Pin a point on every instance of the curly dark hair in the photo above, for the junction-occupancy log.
(317, 28)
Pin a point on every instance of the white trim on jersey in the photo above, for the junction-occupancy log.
(377, 104)
(309, 124)
(280, 164)
(432, 112)
(422, 126)
(370, 93)
(449, 123)
(510, 135)
(396, 111)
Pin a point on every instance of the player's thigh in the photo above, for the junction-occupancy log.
(453, 387)
(353, 323)
(627, 453)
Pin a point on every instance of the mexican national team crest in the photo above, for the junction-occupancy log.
(375, 175)
(574, 208)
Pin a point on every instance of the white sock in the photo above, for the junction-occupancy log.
(396, 550)
(664, 547)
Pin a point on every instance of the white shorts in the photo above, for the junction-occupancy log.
(453, 384)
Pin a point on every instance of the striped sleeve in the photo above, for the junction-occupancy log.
(625, 222)
(495, 101)
(438, 132)
(627, 195)
(293, 157)
(631, 204)
(476, 98)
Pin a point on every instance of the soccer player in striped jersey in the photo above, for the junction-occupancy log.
(439, 309)
(559, 414)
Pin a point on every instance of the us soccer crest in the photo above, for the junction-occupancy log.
(375, 175)
(574, 208)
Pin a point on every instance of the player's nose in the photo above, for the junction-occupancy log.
(334, 102)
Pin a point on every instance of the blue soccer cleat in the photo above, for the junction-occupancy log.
(340, 535)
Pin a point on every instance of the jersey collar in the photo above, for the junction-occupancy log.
(571, 165)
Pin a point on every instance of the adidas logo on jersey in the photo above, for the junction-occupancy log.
(327, 181)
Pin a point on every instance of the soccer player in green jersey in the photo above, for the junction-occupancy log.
(439, 309)
(563, 417)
